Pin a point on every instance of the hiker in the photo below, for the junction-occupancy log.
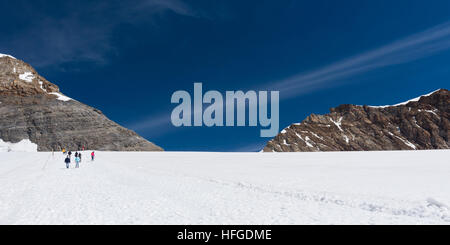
(64, 151)
(70, 154)
(77, 161)
(67, 161)
(76, 154)
(79, 156)
(92, 156)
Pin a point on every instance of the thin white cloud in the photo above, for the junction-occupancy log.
(162, 122)
(153, 122)
(414, 47)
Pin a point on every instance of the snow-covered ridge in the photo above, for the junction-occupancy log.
(28, 77)
(406, 102)
(61, 96)
(6, 55)
(338, 123)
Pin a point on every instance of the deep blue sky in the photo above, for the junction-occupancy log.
(127, 57)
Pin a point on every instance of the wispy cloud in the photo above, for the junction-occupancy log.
(406, 50)
(85, 32)
(159, 124)
(416, 46)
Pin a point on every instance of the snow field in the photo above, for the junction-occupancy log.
(397, 187)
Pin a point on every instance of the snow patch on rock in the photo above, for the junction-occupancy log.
(429, 111)
(40, 85)
(317, 136)
(346, 138)
(308, 142)
(406, 142)
(415, 122)
(338, 123)
(27, 76)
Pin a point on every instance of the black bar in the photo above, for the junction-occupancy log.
(228, 234)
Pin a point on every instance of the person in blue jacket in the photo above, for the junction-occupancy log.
(67, 161)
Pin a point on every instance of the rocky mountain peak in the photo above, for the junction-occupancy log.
(420, 123)
(33, 109)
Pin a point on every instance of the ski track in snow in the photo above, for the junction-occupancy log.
(404, 187)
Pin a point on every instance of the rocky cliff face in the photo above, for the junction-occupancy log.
(33, 108)
(421, 123)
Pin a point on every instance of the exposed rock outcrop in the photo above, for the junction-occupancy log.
(421, 123)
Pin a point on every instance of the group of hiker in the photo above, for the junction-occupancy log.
(77, 158)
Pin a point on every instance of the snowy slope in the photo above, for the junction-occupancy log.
(404, 187)
(22, 146)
